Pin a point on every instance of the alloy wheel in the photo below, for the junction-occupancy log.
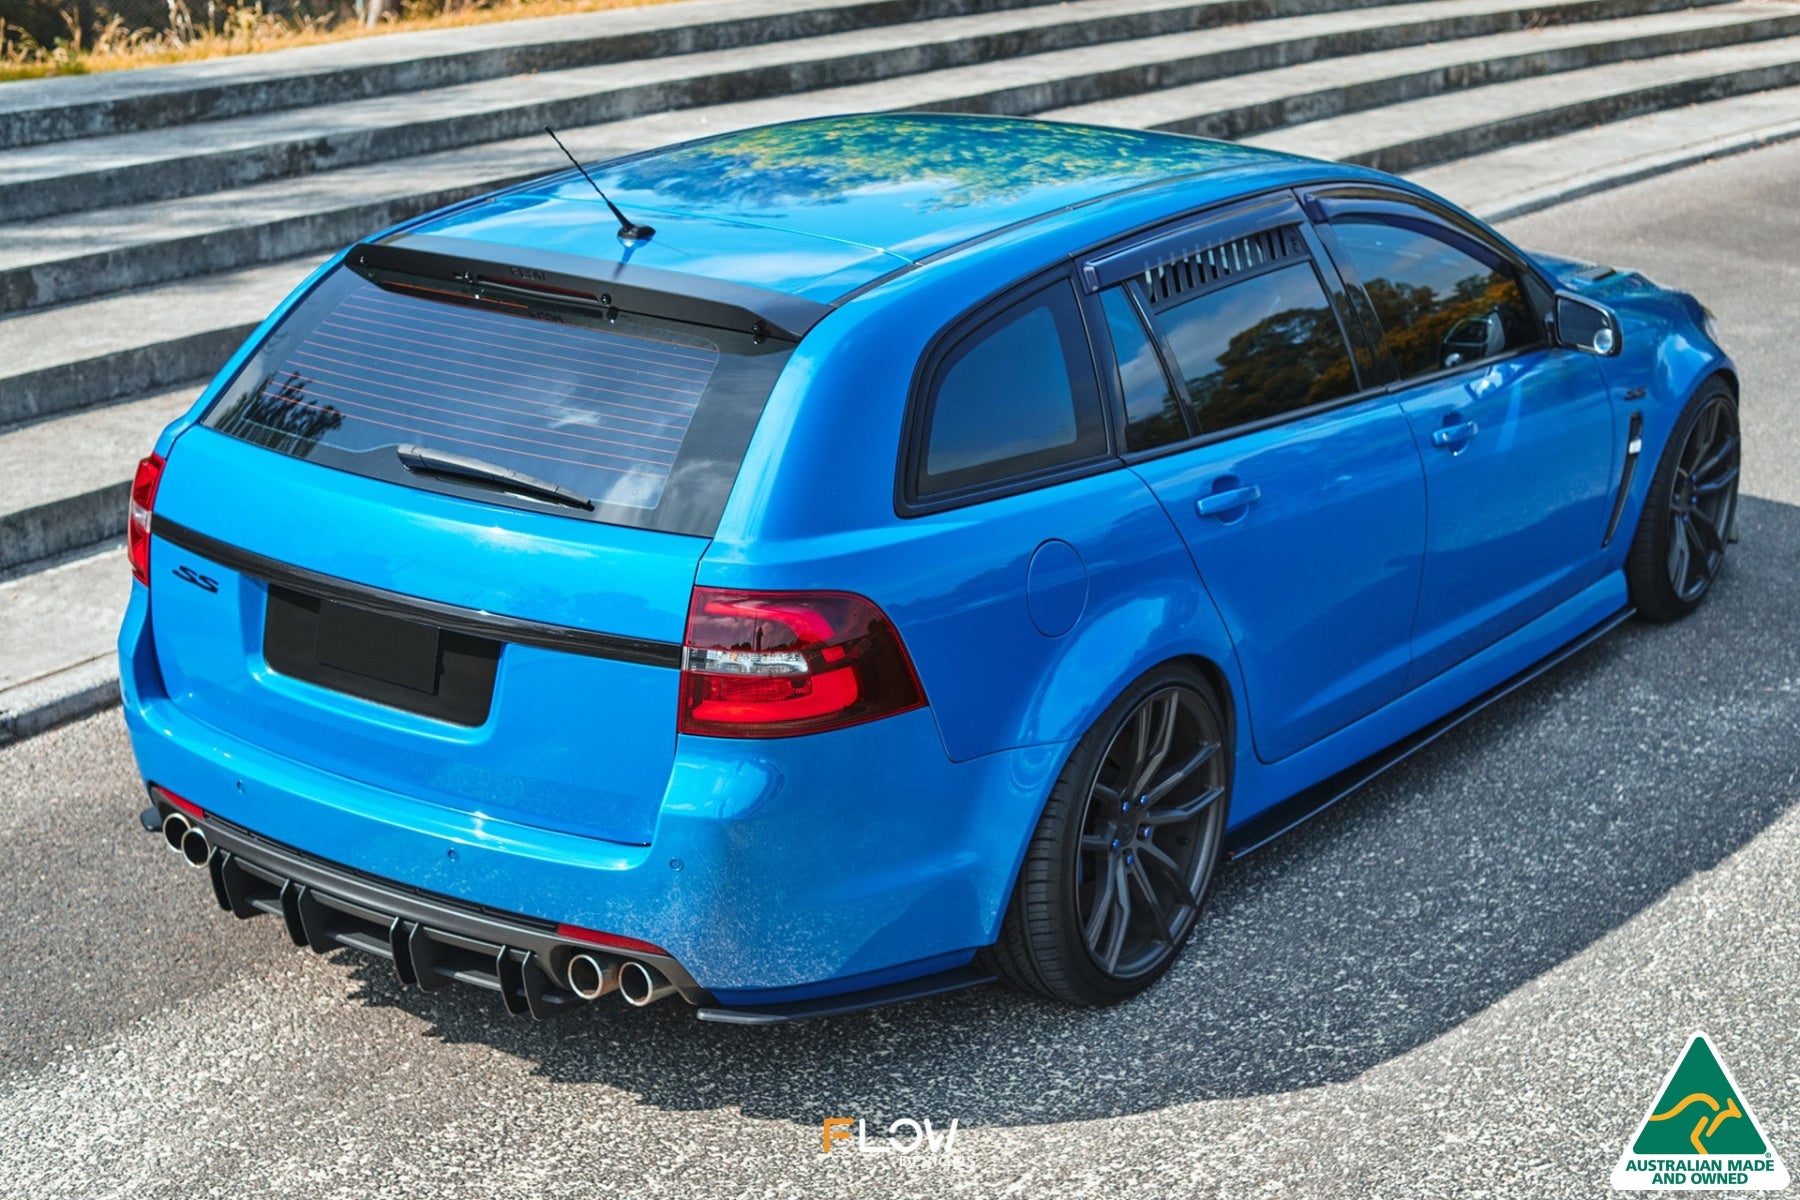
(1150, 833)
(1703, 499)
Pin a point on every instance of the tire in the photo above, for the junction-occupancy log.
(1691, 510)
(1094, 838)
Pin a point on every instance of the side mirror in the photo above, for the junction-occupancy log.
(1585, 326)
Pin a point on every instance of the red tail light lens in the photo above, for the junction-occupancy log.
(776, 664)
(187, 806)
(612, 941)
(137, 521)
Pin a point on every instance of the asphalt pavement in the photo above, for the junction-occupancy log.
(1468, 980)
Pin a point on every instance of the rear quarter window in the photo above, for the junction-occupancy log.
(647, 418)
(1014, 397)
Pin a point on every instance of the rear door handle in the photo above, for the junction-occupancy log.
(1455, 437)
(1220, 503)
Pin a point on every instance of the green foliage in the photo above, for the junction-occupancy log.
(823, 163)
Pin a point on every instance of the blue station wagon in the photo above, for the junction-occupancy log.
(922, 551)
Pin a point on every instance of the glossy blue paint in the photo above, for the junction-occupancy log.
(1056, 587)
(1523, 498)
(1341, 498)
(1370, 582)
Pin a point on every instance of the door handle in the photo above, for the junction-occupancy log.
(1219, 503)
(1455, 437)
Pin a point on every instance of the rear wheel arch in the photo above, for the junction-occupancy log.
(1034, 947)
(1220, 684)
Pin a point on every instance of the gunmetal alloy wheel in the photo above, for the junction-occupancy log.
(1691, 509)
(1124, 855)
(1149, 836)
(1703, 499)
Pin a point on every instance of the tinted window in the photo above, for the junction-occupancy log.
(1258, 348)
(1440, 304)
(647, 418)
(1152, 413)
(1015, 396)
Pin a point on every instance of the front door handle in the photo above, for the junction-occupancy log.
(1217, 504)
(1455, 436)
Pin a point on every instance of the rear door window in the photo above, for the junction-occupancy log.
(1015, 397)
(646, 418)
(1258, 347)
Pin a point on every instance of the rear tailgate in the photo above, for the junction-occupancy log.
(580, 732)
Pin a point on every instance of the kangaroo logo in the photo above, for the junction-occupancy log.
(1708, 1124)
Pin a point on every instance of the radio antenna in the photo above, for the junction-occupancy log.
(627, 230)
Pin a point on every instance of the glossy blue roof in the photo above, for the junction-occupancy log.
(818, 208)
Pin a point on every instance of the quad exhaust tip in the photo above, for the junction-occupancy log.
(591, 979)
(174, 828)
(642, 986)
(195, 849)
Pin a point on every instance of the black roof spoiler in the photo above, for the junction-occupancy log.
(648, 291)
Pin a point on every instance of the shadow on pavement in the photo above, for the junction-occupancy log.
(1484, 862)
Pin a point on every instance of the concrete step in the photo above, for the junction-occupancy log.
(1242, 107)
(75, 256)
(1423, 133)
(1523, 179)
(191, 160)
(57, 629)
(39, 111)
(64, 483)
(58, 360)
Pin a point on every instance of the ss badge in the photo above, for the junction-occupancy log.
(196, 578)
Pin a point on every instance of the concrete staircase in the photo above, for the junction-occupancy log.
(149, 219)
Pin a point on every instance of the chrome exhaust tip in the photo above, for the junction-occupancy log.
(590, 978)
(642, 986)
(195, 849)
(175, 826)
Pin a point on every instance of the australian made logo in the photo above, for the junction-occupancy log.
(1699, 1134)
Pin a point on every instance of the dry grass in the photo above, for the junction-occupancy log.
(249, 30)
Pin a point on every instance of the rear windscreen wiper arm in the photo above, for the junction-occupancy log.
(423, 461)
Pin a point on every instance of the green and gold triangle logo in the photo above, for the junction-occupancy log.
(1699, 1134)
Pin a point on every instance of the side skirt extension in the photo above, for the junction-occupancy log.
(1279, 818)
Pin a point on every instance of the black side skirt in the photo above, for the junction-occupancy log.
(1277, 819)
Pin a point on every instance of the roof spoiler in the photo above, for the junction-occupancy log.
(647, 291)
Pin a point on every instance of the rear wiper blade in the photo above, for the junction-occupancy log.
(424, 461)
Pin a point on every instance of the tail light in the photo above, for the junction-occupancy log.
(611, 941)
(187, 806)
(776, 664)
(137, 521)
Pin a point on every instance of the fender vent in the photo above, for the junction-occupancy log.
(1190, 271)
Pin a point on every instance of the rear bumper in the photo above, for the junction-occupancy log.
(433, 941)
(779, 872)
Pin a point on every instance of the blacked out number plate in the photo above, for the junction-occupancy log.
(380, 656)
(378, 646)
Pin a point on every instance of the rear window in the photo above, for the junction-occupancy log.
(646, 418)
(1014, 398)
